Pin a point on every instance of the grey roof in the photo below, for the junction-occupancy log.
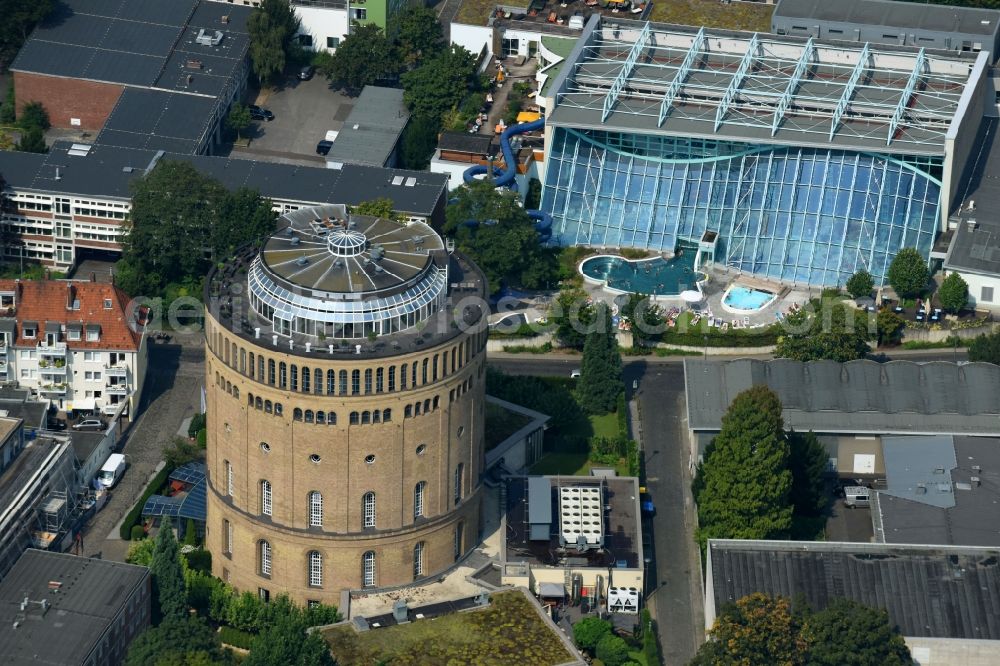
(539, 500)
(918, 468)
(84, 443)
(977, 250)
(92, 593)
(17, 403)
(891, 13)
(898, 397)
(107, 171)
(158, 120)
(973, 517)
(138, 43)
(463, 142)
(928, 591)
(372, 129)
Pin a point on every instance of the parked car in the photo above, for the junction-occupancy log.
(323, 147)
(55, 424)
(111, 471)
(574, 374)
(260, 113)
(89, 424)
(306, 73)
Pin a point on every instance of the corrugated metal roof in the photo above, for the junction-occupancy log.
(371, 131)
(890, 13)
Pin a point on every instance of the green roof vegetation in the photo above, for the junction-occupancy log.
(501, 423)
(477, 12)
(510, 632)
(749, 16)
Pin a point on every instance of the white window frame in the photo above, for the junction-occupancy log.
(315, 569)
(315, 509)
(265, 558)
(368, 509)
(458, 482)
(368, 569)
(229, 478)
(228, 536)
(266, 498)
(419, 491)
(418, 560)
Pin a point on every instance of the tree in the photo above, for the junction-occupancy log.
(755, 630)
(381, 207)
(366, 57)
(646, 318)
(418, 34)
(19, 19)
(493, 229)
(272, 28)
(808, 462)
(834, 331)
(441, 83)
(860, 284)
(33, 115)
(141, 552)
(889, 326)
(742, 487)
(847, 633)
(953, 293)
(32, 141)
(176, 641)
(612, 650)
(420, 138)
(601, 369)
(588, 632)
(168, 573)
(238, 119)
(572, 317)
(985, 348)
(908, 273)
(8, 113)
(284, 641)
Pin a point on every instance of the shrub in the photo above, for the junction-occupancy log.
(202, 438)
(138, 533)
(34, 116)
(953, 293)
(589, 631)
(199, 560)
(133, 516)
(190, 533)
(235, 637)
(908, 273)
(612, 650)
(860, 284)
(196, 425)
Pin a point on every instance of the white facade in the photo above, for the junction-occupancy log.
(323, 28)
(472, 37)
(984, 290)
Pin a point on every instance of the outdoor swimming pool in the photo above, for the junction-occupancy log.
(657, 276)
(745, 299)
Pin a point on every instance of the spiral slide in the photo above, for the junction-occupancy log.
(505, 178)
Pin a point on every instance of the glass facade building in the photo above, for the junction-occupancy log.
(804, 215)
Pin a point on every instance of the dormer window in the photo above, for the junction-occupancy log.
(93, 332)
(74, 332)
(29, 329)
(107, 303)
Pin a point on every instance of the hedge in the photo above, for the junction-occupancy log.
(235, 637)
(138, 533)
(133, 516)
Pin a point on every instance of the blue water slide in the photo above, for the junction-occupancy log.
(505, 177)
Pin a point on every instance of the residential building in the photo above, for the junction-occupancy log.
(345, 384)
(75, 343)
(942, 598)
(73, 201)
(370, 135)
(11, 439)
(64, 610)
(798, 159)
(161, 76)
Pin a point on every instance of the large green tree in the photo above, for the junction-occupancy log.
(168, 574)
(419, 34)
(33, 115)
(847, 633)
(364, 58)
(908, 273)
(238, 119)
(743, 486)
(808, 461)
(572, 317)
(420, 138)
(440, 83)
(492, 228)
(985, 348)
(860, 284)
(32, 141)
(828, 330)
(272, 27)
(755, 630)
(612, 650)
(177, 641)
(953, 293)
(547, 396)
(589, 631)
(285, 641)
(19, 19)
(601, 369)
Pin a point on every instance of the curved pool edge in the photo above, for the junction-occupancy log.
(613, 290)
(732, 310)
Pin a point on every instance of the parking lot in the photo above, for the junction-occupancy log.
(303, 113)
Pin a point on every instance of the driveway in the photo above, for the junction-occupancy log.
(174, 379)
(303, 113)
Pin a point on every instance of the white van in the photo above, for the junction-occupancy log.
(111, 471)
(857, 496)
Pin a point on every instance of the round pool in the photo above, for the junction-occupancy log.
(746, 300)
(656, 276)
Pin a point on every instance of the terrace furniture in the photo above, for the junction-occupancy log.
(552, 17)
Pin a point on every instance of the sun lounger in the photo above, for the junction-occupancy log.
(746, 322)
(725, 327)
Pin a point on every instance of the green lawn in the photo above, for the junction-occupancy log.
(507, 633)
(605, 426)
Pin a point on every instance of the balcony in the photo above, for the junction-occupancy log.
(52, 349)
(116, 389)
(53, 369)
(52, 389)
(110, 409)
(119, 370)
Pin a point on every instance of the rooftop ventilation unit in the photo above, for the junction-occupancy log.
(970, 224)
(80, 149)
(581, 517)
(209, 38)
(193, 63)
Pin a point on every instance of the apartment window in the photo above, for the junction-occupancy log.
(315, 569)
(368, 510)
(331, 382)
(263, 593)
(368, 381)
(368, 569)
(229, 479)
(355, 382)
(418, 560)
(359, 13)
(265, 558)
(306, 379)
(29, 331)
(93, 334)
(418, 499)
(402, 376)
(392, 378)
(93, 356)
(459, 529)
(306, 40)
(265, 498)
(227, 537)
(107, 303)
(315, 509)
(332, 42)
(73, 334)
(458, 482)
(282, 375)
(295, 378)
(986, 295)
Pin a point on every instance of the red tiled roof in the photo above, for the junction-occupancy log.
(44, 301)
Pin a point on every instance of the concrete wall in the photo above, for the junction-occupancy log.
(88, 102)
(472, 37)
(961, 139)
(976, 283)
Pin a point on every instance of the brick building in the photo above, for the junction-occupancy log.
(345, 373)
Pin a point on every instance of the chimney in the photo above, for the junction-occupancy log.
(93, 276)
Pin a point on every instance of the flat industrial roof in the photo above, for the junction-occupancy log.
(938, 500)
(107, 171)
(932, 591)
(898, 397)
(891, 13)
(372, 130)
(91, 594)
(975, 244)
(632, 76)
(158, 120)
